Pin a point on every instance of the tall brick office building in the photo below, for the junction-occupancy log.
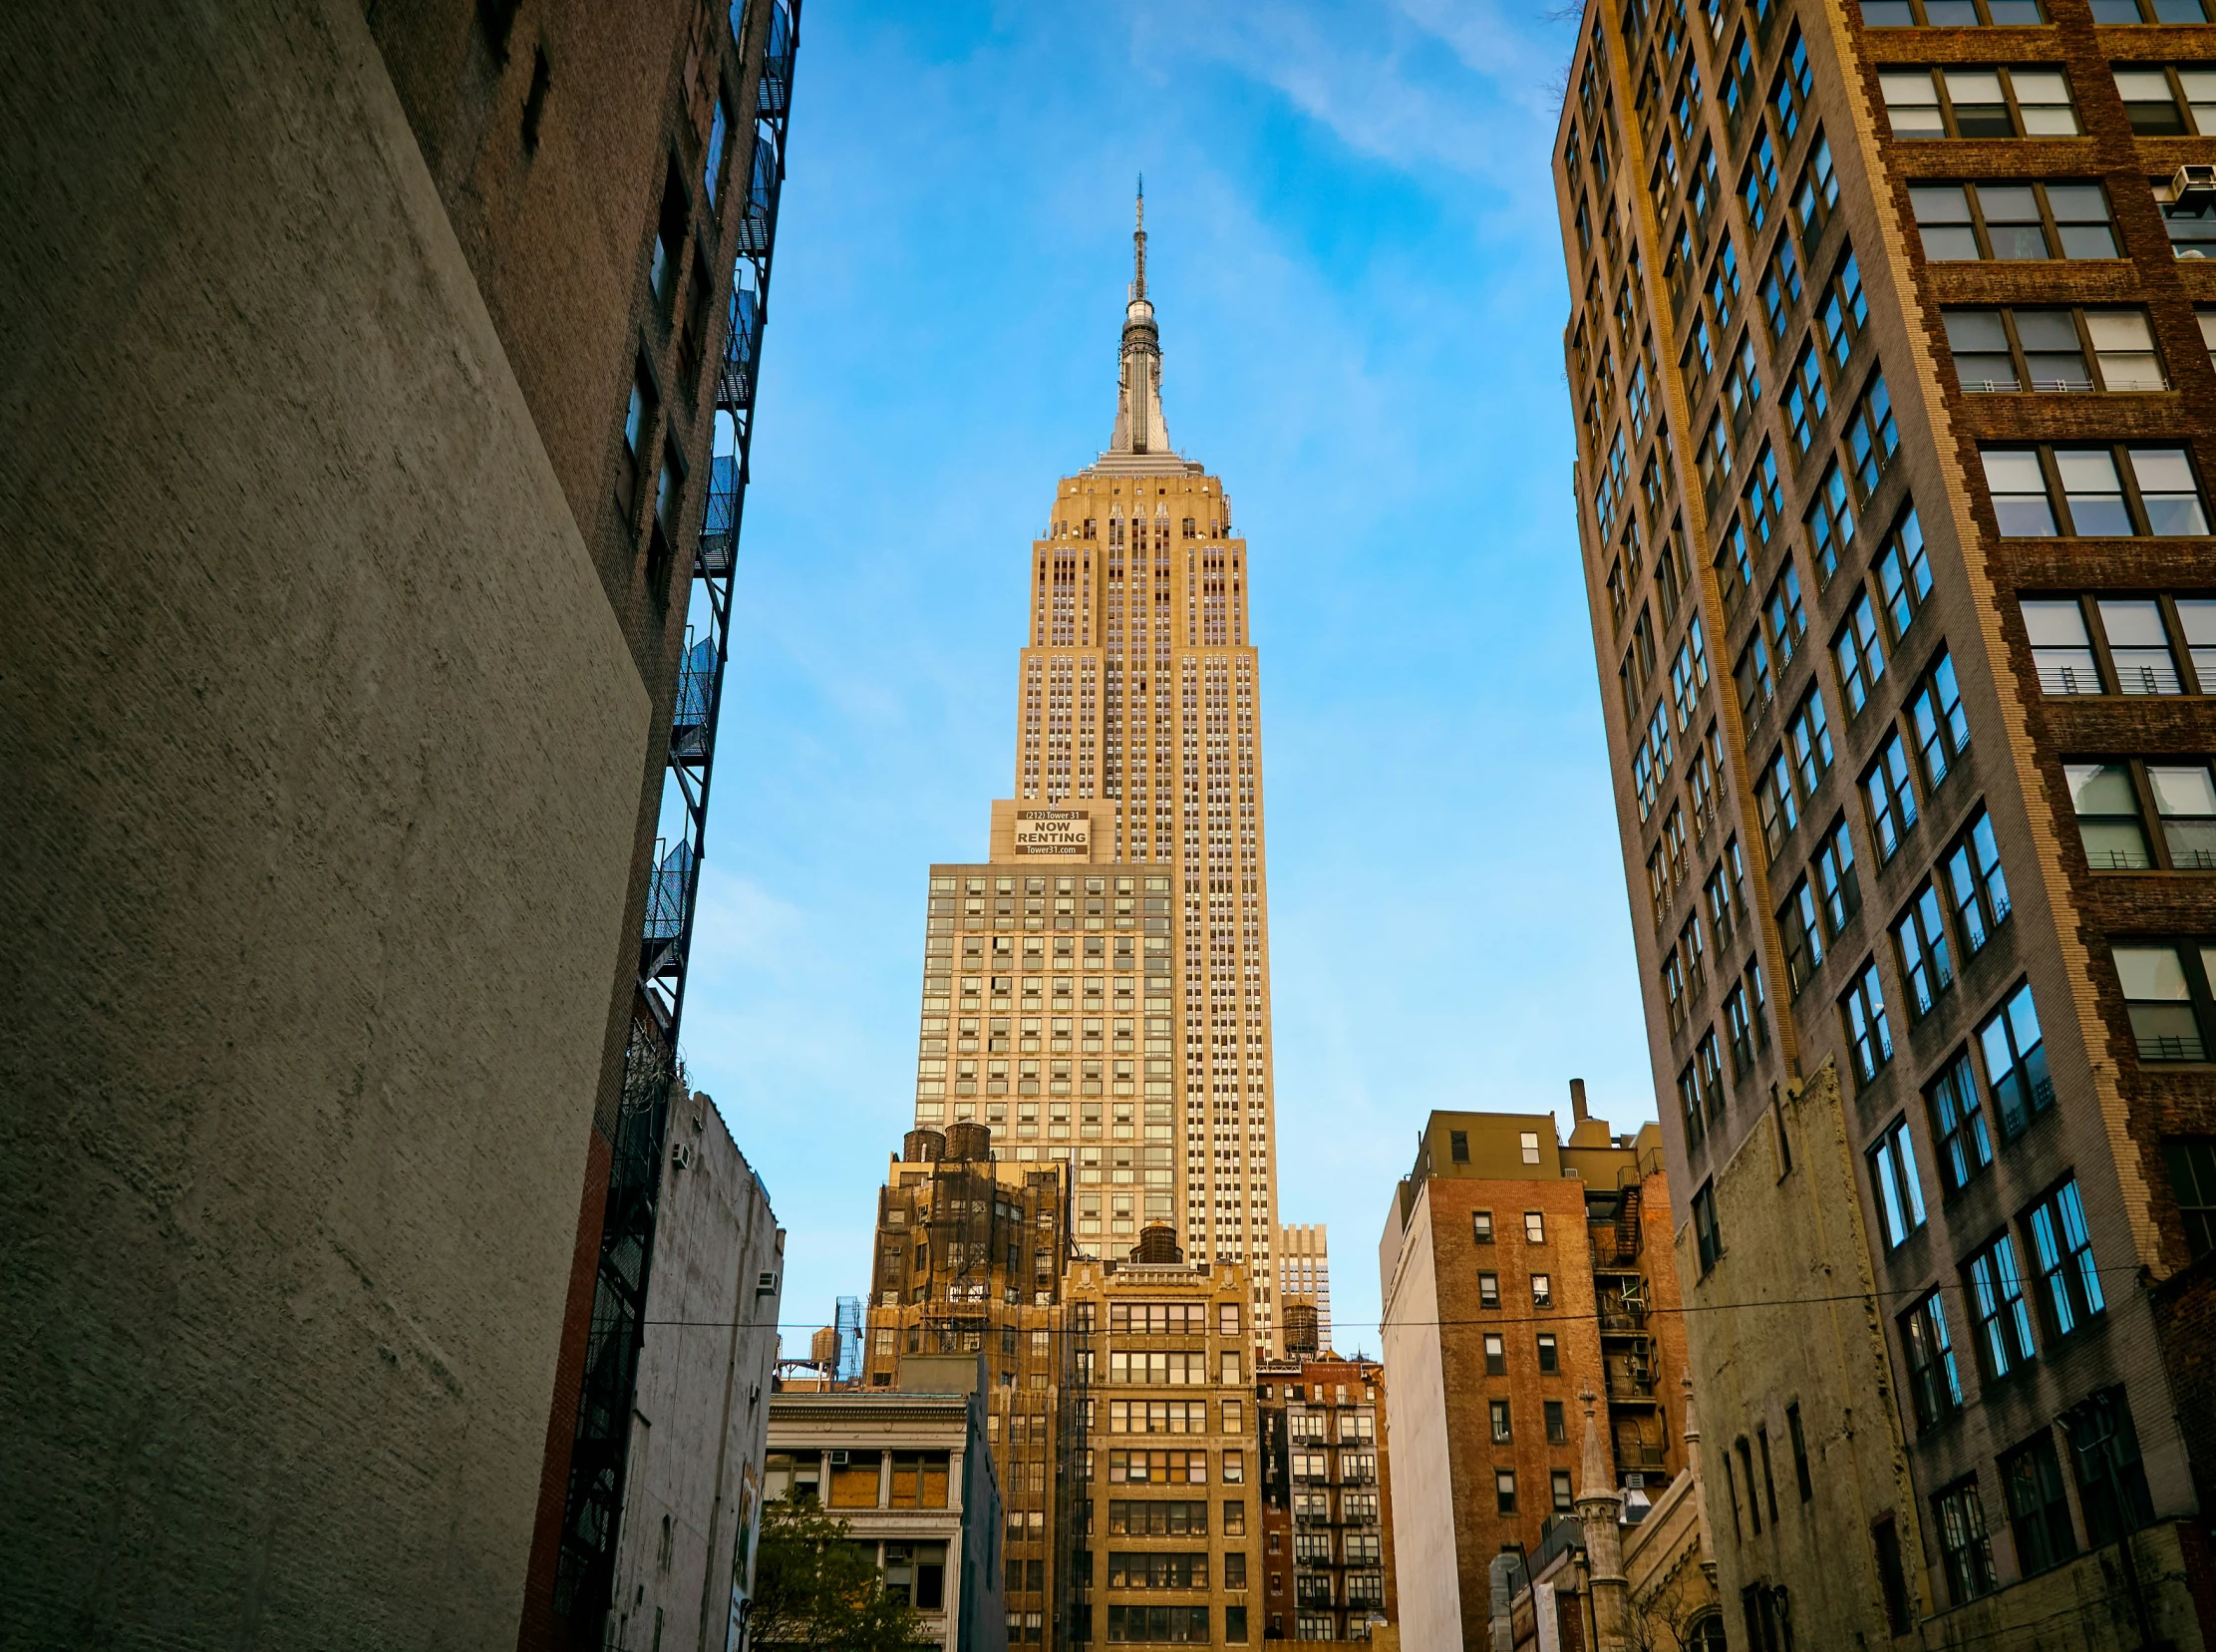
(362, 475)
(1890, 352)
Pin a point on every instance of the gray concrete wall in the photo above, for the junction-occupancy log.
(321, 756)
(700, 1427)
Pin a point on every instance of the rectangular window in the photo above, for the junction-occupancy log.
(1496, 1355)
(1542, 1291)
(2049, 348)
(1802, 1479)
(1708, 1238)
(2002, 1318)
(638, 432)
(1857, 654)
(1549, 1354)
(1780, 289)
(2094, 493)
(1935, 712)
(2023, 102)
(2111, 1481)
(1489, 1290)
(2166, 993)
(1869, 1038)
(1457, 1146)
(1903, 573)
(2012, 220)
(1502, 1434)
(1934, 1383)
(2039, 1506)
(1871, 433)
(1808, 738)
(1965, 1556)
(1843, 893)
(1958, 1124)
(1802, 935)
(2016, 1064)
(1979, 890)
(1920, 945)
(1534, 1222)
(1890, 796)
(2192, 1168)
(1950, 14)
(1900, 1192)
(1557, 1429)
(2168, 102)
(1481, 1227)
(2062, 1245)
(1505, 1490)
(2108, 808)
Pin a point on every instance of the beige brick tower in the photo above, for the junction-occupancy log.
(1138, 742)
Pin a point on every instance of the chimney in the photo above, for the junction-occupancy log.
(1577, 1099)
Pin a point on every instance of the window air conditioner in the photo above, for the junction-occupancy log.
(765, 1286)
(838, 1460)
(2192, 182)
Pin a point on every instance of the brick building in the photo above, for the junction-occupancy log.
(1890, 355)
(1327, 1544)
(380, 378)
(1516, 1269)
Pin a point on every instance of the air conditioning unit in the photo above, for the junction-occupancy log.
(838, 1460)
(680, 1155)
(1632, 1481)
(765, 1286)
(2193, 183)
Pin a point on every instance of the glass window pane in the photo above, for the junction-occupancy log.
(1939, 203)
(2056, 625)
(2134, 623)
(2102, 789)
(2151, 974)
(2184, 791)
(1982, 85)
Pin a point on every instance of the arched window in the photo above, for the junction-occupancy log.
(1706, 1634)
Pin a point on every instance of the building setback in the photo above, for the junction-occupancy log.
(1896, 425)
(1516, 1270)
(360, 455)
(1138, 763)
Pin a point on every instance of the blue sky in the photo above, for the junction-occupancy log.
(1356, 264)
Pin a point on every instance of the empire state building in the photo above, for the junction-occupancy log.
(1099, 991)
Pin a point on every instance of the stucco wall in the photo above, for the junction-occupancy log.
(322, 757)
(1425, 1566)
(700, 1422)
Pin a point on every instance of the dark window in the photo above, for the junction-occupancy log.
(1934, 1383)
(1710, 1239)
(2111, 1481)
(2038, 1507)
(1557, 1430)
(2192, 1166)
(1805, 1481)
(1965, 1555)
(638, 432)
(1891, 1578)
(1457, 1146)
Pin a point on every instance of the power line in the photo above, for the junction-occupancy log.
(1552, 1317)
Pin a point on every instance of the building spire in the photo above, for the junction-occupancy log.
(1139, 244)
(1139, 394)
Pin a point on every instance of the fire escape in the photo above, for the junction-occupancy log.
(1627, 1345)
(592, 1514)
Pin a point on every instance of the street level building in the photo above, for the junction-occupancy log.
(971, 1257)
(337, 726)
(1516, 1270)
(1169, 1483)
(1327, 1545)
(1896, 422)
(910, 1473)
(1138, 778)
(698, 1429)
